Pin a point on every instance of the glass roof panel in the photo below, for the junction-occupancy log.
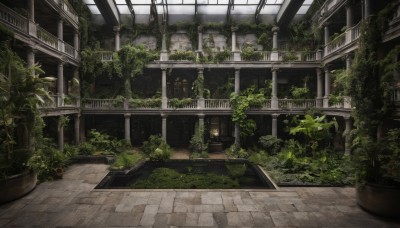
(244, 9)
(93, 9)
(223, 2)
(120, 2)
(212, 9)
(89, 1)
(270, 9)
(141, 9)
(303, 10)
(180, 9)
(123, 9)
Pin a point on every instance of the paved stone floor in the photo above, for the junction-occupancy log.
(72, 202)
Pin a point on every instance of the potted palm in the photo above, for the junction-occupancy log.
(20, 121)
(375, 146)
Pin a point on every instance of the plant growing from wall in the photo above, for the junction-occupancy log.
(289, 56)
(197, 144)
(249, 53)
(300, 92)
(198, 86)
(340, 86)
(242, 103)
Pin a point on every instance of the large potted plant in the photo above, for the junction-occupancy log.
(20, 121)
(375, 146)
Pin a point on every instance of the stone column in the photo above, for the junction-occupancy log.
(349, 16)
(60, 134)
(326, 34)
(347, 147)
(319, 87)
(201, 124)
(60, 29)
(164, 126)
(76, 40)
(75, 83)
(200, 41)
(117, 45)
(60, 83)
(274, 131)
(30, 59)
(274, 93)
(127, 127)
(237, 80)
(367, 9)
(233, 29)
(82, 129)
(348, 61)
(275, 30)
(237, 134)
(327, 87)
(164, 98)
(200, 99)
(31, 10)
(164, 51)
(77, 124)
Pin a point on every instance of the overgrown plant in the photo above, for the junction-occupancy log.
(156, 148)
(197, 143)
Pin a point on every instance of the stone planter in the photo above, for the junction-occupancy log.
(17, 186)
(215, 147)
(379, 199)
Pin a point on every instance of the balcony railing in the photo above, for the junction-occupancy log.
(69, 50)
(58, 101)
(355, 32)
(336, 43)
(217, 104)
(396, 96)
(47, 38)
(67, 8)
(191, 105)
(102, 104)
(13, 19)
(328, 6)
(291, 104)
(106, 56)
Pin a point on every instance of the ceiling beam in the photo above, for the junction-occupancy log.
(153, 13)
(260, 5)
(109, 11)
(231, 5)
(287, 11)
(129, 4)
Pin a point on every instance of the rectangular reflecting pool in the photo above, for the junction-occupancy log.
(189, 174)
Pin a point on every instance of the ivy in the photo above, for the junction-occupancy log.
(146, 103)
(242, 103)
(179, 103)
(183, 55)
(198, 86)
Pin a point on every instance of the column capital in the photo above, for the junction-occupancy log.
(275, 29)
(234, 28)
(326, 24)
(275, 115)
(327, 67)
(116, 28)
(61, 61)
(163, 115)
(200, 70)
(274, 69)
(127, 115)
(347, 117)
(200, 28)
(164, 68)
(237, 68)
(201, 115)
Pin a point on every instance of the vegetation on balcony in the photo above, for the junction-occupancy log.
(179, 103)
(197, 144)
(183, 55)
(340, 86)
(249, 53)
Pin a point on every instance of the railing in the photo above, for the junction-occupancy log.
(47, 37)
(290, 56)
(266, 55)
(102, 103)
(58, 101)
(396, 96)
(345, 103)
(106, 56)
(191, 105)
(355, 32)
(13, 19)
(217, 104)
(337, 43)
(69, 49)
(142, 104)
(328, 6)
(69, 10)
(296, 104)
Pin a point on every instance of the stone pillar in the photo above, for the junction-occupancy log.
(327, 87)
(237, 80)
(349, 16)
(76, 40)
(127, 127)
(326, 35)
(60, 29)
(200, 98)
(201, 124)
(274, 93)
(31, 10)
(30, 59)
(367, 9)
(164, 52)
(117, 45)
(75, 83)
(200, 41)
(233, 29)
(164, 126)
(237, 134)
(275, 30)
(77, 124)
(319, 87)
(164, 98)
(348, 61)
(60, 83)
(347, 147)
(82, 129)
(60, 134)
(274, 131)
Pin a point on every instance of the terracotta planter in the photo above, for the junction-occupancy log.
(379, 199)
(17, 186)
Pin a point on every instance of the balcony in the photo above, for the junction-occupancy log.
(66, 9)
(343, 41)
(26, 30)
(328, 8)
(60, 105)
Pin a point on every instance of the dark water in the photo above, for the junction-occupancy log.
(251, 178)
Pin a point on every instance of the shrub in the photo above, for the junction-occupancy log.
(126, 160)
(197, 141)
(156, 148)
(270, 143)
(237, 152)
(86, 149)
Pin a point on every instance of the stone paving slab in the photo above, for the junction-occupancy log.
(73, 202)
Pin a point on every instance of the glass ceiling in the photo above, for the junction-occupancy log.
(201, 7)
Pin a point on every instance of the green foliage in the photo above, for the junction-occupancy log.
(126, 160)
(289, 56)
(156, 148)
(270, 143)
(47, 161)
(197, 144)
(314, 130)
(300, 92)
(236, 170)
(250, 54)
(183, 55)
(265, 39)
(198, 86)
(146, 103)
(237, 152)
(164, 178)
(179, 103)
(221, 56)
(259, 158)
(86, 149)
(240, 104)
